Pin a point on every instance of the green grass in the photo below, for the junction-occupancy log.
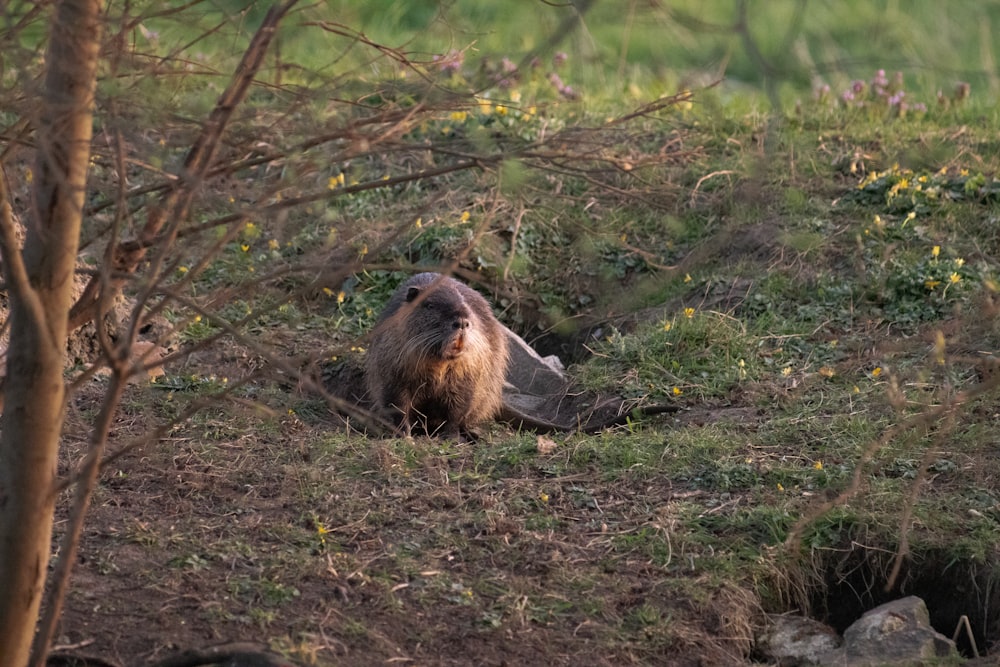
(780, 278)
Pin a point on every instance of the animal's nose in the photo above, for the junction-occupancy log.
(461, 323)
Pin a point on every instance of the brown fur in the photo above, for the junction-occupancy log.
(437, 358)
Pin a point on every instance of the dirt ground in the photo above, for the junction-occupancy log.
(347, 550)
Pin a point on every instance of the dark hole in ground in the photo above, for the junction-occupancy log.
(951, 588)
(573, 347)
(569, 348)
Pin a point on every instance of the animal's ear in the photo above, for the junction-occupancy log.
(412, 294)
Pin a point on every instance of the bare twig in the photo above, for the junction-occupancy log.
(174, 206)
(923, 419)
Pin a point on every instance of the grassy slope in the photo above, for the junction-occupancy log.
(742, 274)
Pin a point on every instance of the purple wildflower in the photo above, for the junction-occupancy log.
(450, 63)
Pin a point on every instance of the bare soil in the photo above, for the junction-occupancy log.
(339, 549)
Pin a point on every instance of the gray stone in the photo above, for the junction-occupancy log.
(896, 633)
(796, 641)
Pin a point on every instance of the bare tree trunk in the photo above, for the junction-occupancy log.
(39, 282)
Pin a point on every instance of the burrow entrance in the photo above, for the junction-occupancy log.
(855, 583)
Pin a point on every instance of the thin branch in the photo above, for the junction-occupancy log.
(174, 206)
(86, 482)
(15, 271)
(925, 418)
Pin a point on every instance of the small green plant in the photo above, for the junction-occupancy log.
(903, 191)
(268, 592)
(697, 353)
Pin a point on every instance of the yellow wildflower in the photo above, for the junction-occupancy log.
(876, 371)
(931, 284)
(689, 313)
(954, 278)
(818, 465)
(935, 251)
(458, 116)
(465, 216)
(687, 277)
(677, 391)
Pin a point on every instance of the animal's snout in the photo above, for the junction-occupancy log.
(461, 323)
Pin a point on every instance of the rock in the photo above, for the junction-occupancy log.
(793, 641)
(896, 633)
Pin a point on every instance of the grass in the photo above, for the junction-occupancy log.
(803, 284)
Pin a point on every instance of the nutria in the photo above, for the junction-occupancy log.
(437, 358)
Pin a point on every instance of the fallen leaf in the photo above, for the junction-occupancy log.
(546, 445)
